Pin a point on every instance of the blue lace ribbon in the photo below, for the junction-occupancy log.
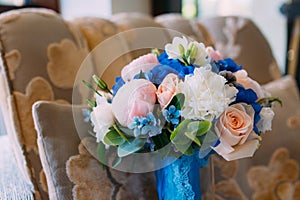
(181, 179)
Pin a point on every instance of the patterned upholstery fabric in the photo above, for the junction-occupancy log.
(40, 57)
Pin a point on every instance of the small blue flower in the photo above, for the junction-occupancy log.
(229, 65)
(172, 115)
(87, 114)
(145, 126)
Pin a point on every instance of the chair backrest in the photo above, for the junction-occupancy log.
(40, 55)
(240, 39)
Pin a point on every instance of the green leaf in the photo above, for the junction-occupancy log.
(208, 139)
(161, 140)
(100, 83)
(113, 138)
(91, 104)
(88, 85)
(193, 136)
(101, 152)
(189, 151)
(177, 101)
(182, 127)
(130, 147)
(267, 102)
(200, 127)
(142, 75)
(116, 161)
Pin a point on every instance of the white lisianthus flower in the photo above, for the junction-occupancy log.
(199, 55)
(266, 116)
(206, 94)
(190, 53)
(102, 118)
(177, 48)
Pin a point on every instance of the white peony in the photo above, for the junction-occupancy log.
(206, 94)
(102, 118)
(266, 116)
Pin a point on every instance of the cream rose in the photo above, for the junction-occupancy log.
(248, 83)
(235, 129)
(134, 99)
(167, 89)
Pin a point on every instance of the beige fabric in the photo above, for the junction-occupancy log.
(25, 36)
(55, 125)
(191, 28)
(92, 182)
(240, 38)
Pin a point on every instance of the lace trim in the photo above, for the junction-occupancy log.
(181, 179)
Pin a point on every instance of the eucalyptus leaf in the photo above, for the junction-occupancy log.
(101, 152)
(113, 138)
(192, 136)
(208, 139)
(182, 127)
(200, 127)
(177, 101)
(131, 147)
(116, 161)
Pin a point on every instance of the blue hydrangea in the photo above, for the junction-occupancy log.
(143, 126)
(249, 96)
(229, 65)
(172, 115)
(119, 83)
(176, 64)
(159, 72)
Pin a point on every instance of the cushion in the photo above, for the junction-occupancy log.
(71, 171)
(57, 141)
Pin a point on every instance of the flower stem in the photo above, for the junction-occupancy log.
(120, 133)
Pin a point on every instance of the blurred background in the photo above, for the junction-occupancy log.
(275, 18)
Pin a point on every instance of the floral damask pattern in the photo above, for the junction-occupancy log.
(65, 59)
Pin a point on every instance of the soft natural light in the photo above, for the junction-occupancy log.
(78, 8)
(264, 13)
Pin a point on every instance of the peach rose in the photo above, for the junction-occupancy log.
(134, 99)
(248, 83)
(167, 89)
(143, 63)
(235, 129)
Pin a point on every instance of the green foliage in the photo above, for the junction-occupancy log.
(101, 153)
(267, 102)
(132, 146)
(113, 138)
(177, 101)
(187, 132)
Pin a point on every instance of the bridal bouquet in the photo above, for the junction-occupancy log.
(188, 96)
